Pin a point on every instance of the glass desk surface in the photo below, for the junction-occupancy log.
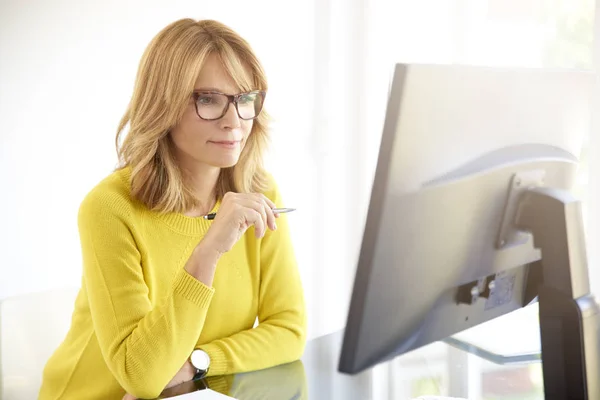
(440, 369)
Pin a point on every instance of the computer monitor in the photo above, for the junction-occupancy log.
(471, 217)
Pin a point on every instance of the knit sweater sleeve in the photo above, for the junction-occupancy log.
(281, 333)
(141, 343)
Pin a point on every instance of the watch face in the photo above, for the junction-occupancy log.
(200, 360)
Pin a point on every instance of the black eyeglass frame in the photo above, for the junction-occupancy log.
(231, 98)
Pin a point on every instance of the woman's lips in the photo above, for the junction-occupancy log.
(226, 144)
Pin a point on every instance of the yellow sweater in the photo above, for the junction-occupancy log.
(139, 314)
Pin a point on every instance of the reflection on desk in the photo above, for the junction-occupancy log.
(285, 382)
(437, 369)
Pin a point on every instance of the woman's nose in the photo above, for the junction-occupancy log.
(231, 119)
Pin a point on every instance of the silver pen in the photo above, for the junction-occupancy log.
(212, 216)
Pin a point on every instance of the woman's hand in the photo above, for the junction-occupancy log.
(237, 213)
(185, 374)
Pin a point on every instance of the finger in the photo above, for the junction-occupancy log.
(260, 198)
(263, 210)
(257, 204)
(260, 203)
(271, 216)
(253, 217)
(269, 202)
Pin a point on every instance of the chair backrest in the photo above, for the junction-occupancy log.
(31, 328)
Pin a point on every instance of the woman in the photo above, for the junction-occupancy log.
(166, 294)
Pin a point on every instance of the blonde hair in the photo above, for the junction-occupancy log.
(164, 84)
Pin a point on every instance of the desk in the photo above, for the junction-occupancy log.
(437, 369)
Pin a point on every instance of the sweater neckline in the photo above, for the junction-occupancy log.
(183, 223)
(175, 220)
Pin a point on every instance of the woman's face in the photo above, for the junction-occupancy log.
(216, 143)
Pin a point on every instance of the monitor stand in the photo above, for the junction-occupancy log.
(569, 314)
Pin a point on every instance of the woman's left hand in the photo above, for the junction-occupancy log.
(185, 374)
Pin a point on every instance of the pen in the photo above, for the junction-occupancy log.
(212, 216)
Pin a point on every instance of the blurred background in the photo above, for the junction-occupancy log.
(66, 75)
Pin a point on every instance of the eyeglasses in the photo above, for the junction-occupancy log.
(214, 105)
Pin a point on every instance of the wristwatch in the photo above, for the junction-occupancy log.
(201, 361)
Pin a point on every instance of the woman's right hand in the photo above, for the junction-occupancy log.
(237, 213)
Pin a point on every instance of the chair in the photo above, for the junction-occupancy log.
(31, 328)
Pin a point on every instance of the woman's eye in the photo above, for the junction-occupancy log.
(204, 100)
(247, 98)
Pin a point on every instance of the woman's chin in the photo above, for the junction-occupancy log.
(225, 162)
